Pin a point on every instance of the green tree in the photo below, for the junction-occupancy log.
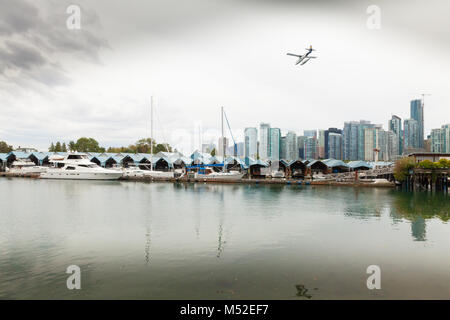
(58, 146)
(51, 148)
(72, 146)
(64, 147)
(5, 148)
(213, 152)
(88, 145)
(402, 167)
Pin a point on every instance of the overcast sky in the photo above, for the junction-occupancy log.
(198, 55)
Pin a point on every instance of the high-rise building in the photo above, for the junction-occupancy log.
(291, 146)
(321, 143)
(301, 147)
(251, 142)
(392, 146)
(275, 144)
(222, 146)
(395, 125)
(437, 140)
(410, 135)
(264, 141)
(350, 137)
(283, 148)
(363, 125)
(370, 144)
(327, 142)
(334, 145)
(417, 114)
(310, 149)
(446, 128)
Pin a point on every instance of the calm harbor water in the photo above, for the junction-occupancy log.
(203, 241)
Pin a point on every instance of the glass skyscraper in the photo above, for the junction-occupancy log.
(291, 146)
(395, 125)
(417, 114)
(410, 135)
(275, 144)
(334, 147)
(251, 142)
(350, 137)
(264, 141)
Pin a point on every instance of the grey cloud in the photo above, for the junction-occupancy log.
(35, 38)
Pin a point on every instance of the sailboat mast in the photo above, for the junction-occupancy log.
(151, 133)
(223, 145)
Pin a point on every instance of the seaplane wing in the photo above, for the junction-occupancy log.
(304, 61)
(294, 55)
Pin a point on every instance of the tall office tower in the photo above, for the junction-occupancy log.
(321, 143)
(301, 146)
(370, 144)
(417, 114)
(437, 140)
(363, 125)
(392, 145)
(275, 144)
(283, 148)
(327, 145)
(251, 143)
(310, 149)
(410, 135)
(264, 141)
(446, 128)
(222, 146)
(350, 137)
(395, 125)
(291, 146)
(334, 145)
(310, 133)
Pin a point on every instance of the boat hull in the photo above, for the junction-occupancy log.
(221, 177)
(81, 175)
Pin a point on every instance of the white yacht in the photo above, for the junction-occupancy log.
(77, 166)
(209, 173)
(26, 166)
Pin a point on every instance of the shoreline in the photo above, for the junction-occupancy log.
(274, 181)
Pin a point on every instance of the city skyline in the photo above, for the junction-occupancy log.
(60, 84)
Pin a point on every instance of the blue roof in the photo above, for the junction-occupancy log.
(335, 163)
(4, 156)
(359, 164)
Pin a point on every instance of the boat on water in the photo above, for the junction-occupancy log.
(209, 173)
(77, 166)
(26, 166)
